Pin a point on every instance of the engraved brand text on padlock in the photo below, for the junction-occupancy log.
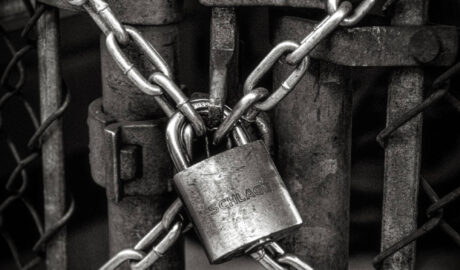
(236, 200)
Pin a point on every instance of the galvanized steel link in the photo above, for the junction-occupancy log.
(298, 56)
(128, 67)
(287, 259)
(358, 13)
(280, 258)
(101, 12)
(182, 101)
(256, 100)
(243, 105)
(117, 34)
(322, 30)
(140, 260)
(122, 257)
(159, 250)
(265, 65)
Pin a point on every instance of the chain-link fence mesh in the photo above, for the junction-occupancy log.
(435, 214)
(15, 186)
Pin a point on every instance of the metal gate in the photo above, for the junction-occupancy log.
(312, 126)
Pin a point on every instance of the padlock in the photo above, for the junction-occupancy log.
(236, 199)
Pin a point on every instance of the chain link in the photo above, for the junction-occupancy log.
(159, 82)
(266, 65)
(321, 31)
(243, 105)
(250, 104)
(254, 101)
(138, 258)
(358, 13)
(183, 103)
(118, 36)
(295, 54)
(280, 258)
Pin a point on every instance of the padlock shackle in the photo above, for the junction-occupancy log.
(174, 133)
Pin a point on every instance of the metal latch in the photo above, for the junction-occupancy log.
(125, 152)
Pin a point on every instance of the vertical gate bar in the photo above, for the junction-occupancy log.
(314, 160)
(403, 148)
(52, 149)
(223, 60)
(144, 202)
(313, 133)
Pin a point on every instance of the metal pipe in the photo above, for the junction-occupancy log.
(144, 200)
(52, 149)
(313, 154)
(403, 148)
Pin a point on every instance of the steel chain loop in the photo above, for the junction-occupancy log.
(141, 259)
(243, 105)
(119, 35)
(358, 13)
(159, 82)
(295, 54)
(266, 65)
(280, 258)
(182, 101)
(248, 107)
(321, 31)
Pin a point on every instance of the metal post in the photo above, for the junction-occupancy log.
(314, 155)
(403, 148)
(145, 195)
(223, 60)
(52, 149)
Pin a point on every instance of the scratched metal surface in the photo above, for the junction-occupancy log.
(88, 230)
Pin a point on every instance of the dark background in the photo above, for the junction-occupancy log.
(81, 71)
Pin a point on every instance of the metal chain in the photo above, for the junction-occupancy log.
(253, 102)
(15, 190)
(139, 257)
(358, 14)
(294, 54)
(161, 80)
(280, 258)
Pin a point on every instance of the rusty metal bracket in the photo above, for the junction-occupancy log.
(126, 152)
(380, 45)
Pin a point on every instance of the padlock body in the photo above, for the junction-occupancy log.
(236, 201)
